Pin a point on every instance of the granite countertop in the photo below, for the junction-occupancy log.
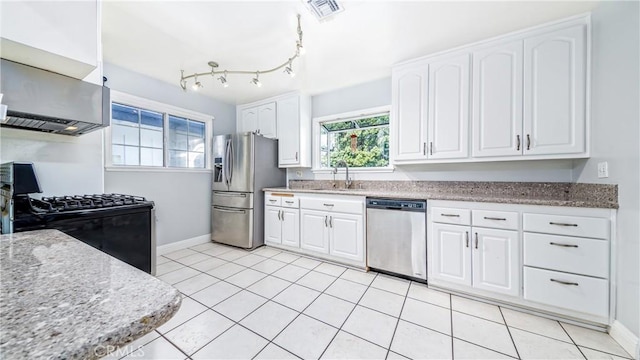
(62, 299)
(547, 194)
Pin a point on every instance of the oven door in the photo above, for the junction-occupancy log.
(232, 226)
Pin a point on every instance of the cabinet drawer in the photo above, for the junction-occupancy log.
(333, 205)
(567, 225)
(291, 202)
(451, 216)
(495, 219)
(563, 253)
(272, 200)
(573, 292)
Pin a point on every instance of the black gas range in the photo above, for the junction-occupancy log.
(122, 226)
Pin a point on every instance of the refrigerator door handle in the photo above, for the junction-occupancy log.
(230, 161)
(230, 210)
(229, 194)
(227, 162)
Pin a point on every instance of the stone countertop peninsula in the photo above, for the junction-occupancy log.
(528, 193)
(62, 299)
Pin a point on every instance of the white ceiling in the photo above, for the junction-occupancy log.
(360, 44)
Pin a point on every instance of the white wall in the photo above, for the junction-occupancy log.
(65, 165)
(378, 93)
(182, 198)
(615, 94)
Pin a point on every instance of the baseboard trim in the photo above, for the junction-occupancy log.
(624, 337)
(183, 244)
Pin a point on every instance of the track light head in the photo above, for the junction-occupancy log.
(223, 80)
(256, 80)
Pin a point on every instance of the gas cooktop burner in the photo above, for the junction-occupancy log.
(84, 202)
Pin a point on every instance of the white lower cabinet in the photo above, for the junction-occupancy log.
(550, 259)
(314, 230)
(325, 226)
(281, 226)
(486, 259)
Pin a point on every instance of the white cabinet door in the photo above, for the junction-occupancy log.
(249, 120)
(451, 253)
(410, 113)
(291, 227)
(448, 117)
(267, 125)
(497, 101)
(346, 236)
(288, 111)
(272, 225)
(555, 92)
(496, 264)
(314, 230)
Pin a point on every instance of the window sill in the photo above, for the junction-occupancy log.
(355, 170)
(153, 169)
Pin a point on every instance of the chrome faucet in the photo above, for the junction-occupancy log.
(347, 181)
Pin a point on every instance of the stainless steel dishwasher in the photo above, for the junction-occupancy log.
(397, 237)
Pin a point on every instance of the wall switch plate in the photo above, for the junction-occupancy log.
(298, 173)
(603, 170)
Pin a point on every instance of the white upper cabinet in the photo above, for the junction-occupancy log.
(288, 115)
(267, 120)
(497, 100)
(294, 120)
(260, 119)
(555, 92)
(524, 95)
(409, 112)
(448, 119)
(47, 35)
(248, 120)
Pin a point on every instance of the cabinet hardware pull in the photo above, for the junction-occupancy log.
(476, 240)
(494, 218)
(528, 142)
(518, 142)
(289, 202)
(562, 224)
(296, 156)
(563, 245)
(466, 235)
(564, 282)
(331, 221)
(431, 148)
(272, 200)
(450, 215)
(325, 221)
(424, 148)
(327, 204)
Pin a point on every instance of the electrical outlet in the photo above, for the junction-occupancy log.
(603, 170)
(298, 173)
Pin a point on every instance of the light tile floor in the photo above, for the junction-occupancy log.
(270, 304)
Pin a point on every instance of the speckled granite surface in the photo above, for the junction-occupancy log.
(63, 299)
(549, 194)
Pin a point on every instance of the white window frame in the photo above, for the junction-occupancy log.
(146, 104)
(346, 116)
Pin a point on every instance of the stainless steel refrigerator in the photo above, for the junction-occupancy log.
(243, 164)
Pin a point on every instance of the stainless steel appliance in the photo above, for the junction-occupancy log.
(397, 237)
(244, 164)
(44, 101)
(122, 226)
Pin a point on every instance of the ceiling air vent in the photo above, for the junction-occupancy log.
(323, 9)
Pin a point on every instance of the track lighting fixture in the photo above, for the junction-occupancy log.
(256, 81)
(287, 65)
(289, 70)
(223, 80)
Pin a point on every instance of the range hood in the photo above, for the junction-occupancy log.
(44, 101)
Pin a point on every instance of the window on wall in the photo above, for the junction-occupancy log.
(156, 135)
(361, 141)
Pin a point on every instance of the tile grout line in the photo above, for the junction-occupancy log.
(404, 301)
(574, 342)
(509, 331)
(451, 323)
(350, 312)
